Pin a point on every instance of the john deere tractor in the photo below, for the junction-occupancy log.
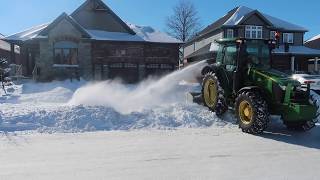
(243, 79)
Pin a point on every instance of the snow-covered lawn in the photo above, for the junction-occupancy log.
(107, 130)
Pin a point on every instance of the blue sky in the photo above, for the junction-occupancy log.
(17, 15)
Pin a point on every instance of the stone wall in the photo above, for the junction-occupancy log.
(64, 31)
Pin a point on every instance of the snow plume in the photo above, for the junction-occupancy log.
(148, 94)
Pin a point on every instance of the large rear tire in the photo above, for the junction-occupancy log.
(213, 94)
(252, 112)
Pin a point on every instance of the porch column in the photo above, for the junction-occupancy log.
(12, 54)
(316, 64)
(293, 63)
(142, 71)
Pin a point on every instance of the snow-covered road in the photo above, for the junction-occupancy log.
(180, 154)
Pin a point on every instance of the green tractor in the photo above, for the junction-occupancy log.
(243, 78)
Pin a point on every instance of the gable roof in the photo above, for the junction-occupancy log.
(139, 33)
(142, 34)
(315, 38)
(65, 16)
(242, 14)
(103, 7)
(239, 14)
(217, 24)
(313, 42)
(27, 34)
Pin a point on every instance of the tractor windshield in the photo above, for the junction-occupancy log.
(258, 54)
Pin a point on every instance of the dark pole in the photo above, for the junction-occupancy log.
(12, 54)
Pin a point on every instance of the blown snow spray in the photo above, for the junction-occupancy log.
(130, 98)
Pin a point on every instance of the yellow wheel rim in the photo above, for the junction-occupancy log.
(245, 112)
(210, 93)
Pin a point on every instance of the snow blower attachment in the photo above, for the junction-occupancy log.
(243, 78)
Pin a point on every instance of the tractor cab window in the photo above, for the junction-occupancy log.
(230, 56)
(258, 55)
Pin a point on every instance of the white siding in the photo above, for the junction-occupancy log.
(200, 44)
(188, 50)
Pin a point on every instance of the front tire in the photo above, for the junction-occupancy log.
(252, 112)
(213, 94)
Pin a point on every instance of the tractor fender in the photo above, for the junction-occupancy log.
(207, 69)
(251, 88)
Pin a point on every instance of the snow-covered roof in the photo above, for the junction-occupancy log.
(143, 34)
(113, 36)
(28, 34)
(242, 12)
(7, 47)
(297, 50)
(314, 38)
(149, 34)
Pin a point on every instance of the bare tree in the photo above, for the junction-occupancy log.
(185, 22)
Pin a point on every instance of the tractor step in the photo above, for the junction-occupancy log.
(308, 125)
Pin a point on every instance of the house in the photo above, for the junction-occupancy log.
(313, 42)
(291, 55)
(5, 50)
(94, 43)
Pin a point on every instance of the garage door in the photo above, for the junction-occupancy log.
(127, 72)
(158, 69)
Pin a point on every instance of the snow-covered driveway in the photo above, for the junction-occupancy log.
(175, 154)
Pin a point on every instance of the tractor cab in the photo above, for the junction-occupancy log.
(243, 52)
(236, 56)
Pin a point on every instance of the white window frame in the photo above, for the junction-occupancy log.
(273, 35)
(230, 33)
(288, 38)
(253, 32)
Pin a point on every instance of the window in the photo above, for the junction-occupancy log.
(230, 57)
(116, 65)
(121, 52)
(273, 35)
(253, 32)
(166, 66)
(153, 66)
(287, 37)
(258, 55)
(230, 33)
(130, 65)
(66, 53)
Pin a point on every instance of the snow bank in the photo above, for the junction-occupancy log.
(79, 106)
(150, 93)
(85, 118)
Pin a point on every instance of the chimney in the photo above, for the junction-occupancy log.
(286, 47)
